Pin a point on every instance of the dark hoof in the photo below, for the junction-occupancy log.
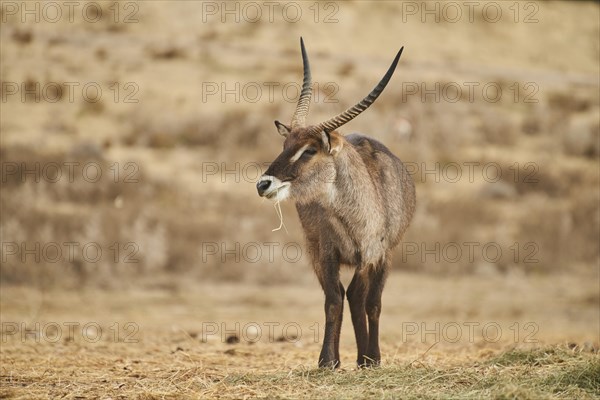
(368, 363)
(331, 364)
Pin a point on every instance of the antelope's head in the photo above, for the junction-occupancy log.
(305, 167)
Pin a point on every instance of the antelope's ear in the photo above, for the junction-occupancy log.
(333, 142)
(336, 143)
(283, 129)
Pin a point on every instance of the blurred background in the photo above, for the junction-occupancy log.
(133, 134)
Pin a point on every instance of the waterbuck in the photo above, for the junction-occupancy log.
(355, 199)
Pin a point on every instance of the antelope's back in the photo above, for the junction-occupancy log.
(392, 180)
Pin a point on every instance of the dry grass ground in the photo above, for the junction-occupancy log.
(530, 339)
(282, 371)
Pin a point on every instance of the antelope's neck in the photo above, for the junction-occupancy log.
(357, 205)
(353, 185)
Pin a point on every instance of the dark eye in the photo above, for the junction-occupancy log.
(309, 152)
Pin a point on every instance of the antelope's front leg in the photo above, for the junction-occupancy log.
(329, 277)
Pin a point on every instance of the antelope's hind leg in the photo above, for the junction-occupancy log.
(357, 295)
(377, 277)
(329, 277)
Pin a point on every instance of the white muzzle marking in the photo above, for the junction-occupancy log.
(278, 190)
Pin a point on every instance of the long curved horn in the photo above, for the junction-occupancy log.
(352, 112)
(299, 118)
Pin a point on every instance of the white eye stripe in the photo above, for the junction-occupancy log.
(298, 153)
